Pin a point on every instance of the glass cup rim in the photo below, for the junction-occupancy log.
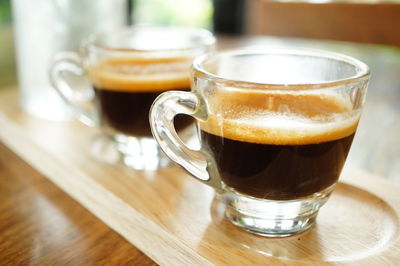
(93, 40)
(362, 70)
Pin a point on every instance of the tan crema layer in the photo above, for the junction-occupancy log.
(279, 119)
(141, 74)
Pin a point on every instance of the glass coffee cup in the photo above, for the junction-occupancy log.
(127, 70)
(275, 128)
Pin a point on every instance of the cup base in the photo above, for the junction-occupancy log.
(273, 218)
(141, 153)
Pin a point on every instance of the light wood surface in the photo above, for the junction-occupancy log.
(173, 218)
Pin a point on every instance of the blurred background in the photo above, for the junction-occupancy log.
(366, 21)
(199, 13)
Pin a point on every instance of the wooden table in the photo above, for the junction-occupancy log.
(40, 224)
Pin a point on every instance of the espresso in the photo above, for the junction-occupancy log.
(268, 153)
(125, 88)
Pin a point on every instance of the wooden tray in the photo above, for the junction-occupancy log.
(175, 220)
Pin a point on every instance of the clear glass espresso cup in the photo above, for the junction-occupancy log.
(127, 70)
(275, 128)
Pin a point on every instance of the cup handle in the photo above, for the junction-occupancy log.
(81, 102)
(197, 162)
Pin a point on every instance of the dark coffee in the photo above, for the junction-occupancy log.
(279, 172)
(267, 156)
(128, 112)
(126, 88)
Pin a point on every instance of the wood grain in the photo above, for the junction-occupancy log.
(41, 225)
(176, 221)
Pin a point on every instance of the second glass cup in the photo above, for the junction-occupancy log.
(128, 69)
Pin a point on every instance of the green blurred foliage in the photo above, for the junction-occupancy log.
(196, 13)
(5, 12)
(7, 56)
